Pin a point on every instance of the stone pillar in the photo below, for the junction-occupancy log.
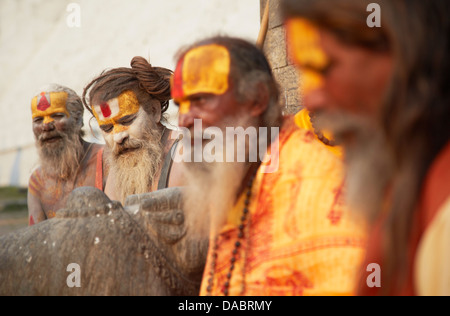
(275, 50)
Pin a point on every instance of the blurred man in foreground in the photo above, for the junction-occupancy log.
(384, 93)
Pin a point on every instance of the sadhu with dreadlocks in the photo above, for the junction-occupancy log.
(384, 92)
(129, 105)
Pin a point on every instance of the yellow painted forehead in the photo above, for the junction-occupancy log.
(303, 40)
(304, 49)
(48, 103)
(108, 112)
(203, 69)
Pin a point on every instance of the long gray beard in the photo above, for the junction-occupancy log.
(61, 160)
(134, 172)
(210, 194)
(212, 189)
(369, 162)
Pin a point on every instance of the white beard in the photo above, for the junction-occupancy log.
(213, 188)
(135, 171)
(369, 162)
(61, 160)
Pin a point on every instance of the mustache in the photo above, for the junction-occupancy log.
(50, 135)
(129, 144)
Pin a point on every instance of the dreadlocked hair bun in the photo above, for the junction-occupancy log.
(154, 80)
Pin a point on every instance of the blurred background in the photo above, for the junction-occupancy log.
(70, 43)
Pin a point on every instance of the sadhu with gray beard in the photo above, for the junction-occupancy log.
(129, 105)
(385, 92)
(278, 225)
(66, 160)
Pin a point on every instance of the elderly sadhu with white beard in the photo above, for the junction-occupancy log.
(275, 228)
(129, 105)
(66, 160)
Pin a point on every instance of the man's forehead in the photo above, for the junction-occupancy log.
(304, 43)
(203, 69)
(47, 102)
(125, 104)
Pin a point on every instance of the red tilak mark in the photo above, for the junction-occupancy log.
(106, 110)
(177, 89)
(43, 103)
(31, 222)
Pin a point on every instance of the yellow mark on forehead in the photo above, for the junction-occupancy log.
(46, 104)
(303, 40)
(310, 81)
(203, 69)
(304, 43)
(109, 112)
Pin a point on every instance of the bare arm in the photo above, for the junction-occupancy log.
(177, 178)
(110, 189)
(36, 213)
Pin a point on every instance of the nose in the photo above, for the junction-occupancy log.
(120, 137)
(48, 125)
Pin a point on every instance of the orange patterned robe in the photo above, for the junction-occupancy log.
(299, 238)
(303, 121)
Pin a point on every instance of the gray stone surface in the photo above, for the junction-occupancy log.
(140, 249)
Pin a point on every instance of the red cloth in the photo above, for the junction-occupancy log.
(99, 170)
(435, 191)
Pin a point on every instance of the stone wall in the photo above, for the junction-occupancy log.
(275, 50)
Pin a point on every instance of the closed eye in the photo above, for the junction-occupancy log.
(58, 115)
(127, 120)
(200, 99)
(106, 128)
(322, 70)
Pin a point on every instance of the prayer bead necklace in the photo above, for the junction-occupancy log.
(319, 134)
(237, 245)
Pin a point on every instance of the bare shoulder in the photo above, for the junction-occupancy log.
(176, 172)
(177, 177)
(173, 136)
(36, 181)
